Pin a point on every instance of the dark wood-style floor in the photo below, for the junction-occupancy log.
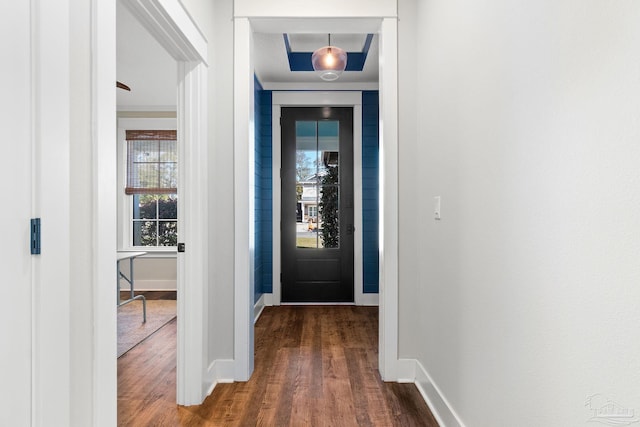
(150, 295)
(314, 366)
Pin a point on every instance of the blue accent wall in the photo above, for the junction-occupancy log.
(266, 220)
(263, 241)
(370, 190)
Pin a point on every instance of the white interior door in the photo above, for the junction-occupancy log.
(15, 188)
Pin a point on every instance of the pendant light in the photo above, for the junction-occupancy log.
(329, 61)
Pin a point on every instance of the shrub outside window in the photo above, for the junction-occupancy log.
(155, 219)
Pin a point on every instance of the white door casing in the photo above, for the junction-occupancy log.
(386, 27)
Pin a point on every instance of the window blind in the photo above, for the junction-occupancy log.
(152, 162)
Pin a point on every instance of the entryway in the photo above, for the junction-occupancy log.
(317, 230)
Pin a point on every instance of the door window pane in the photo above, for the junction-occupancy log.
(317, 184)
(327, 146)
(328, 212)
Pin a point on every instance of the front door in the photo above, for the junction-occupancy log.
(317, 204)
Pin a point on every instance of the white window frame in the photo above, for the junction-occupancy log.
(125, 201)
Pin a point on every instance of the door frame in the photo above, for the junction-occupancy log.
(173, 28)
(387, 29)
(352, 99)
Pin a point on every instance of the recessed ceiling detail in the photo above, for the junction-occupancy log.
(301, 60)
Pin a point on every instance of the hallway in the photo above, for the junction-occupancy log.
(315, 366)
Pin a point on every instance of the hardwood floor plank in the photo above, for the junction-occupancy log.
(314, 366)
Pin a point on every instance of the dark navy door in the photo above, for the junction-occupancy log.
(317, 204)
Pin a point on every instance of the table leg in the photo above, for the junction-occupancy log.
(133, 297)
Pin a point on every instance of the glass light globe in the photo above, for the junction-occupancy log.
(329, 62)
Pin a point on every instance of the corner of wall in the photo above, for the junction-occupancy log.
(407, 370)
(219, 371)
(368, 299)
(258, 307)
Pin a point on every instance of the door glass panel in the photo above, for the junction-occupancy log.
(329, 215)
(327, 146)
(317, 184)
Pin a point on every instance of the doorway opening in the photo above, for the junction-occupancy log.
(246, 33)
(172, 29)
(147, 198)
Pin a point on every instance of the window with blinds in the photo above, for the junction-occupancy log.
(152, 162)
(152, 178)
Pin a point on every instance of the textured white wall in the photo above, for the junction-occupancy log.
(529, 130)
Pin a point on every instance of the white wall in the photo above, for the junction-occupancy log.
(215, 21)
(221, 195)
(529, 129)
(151, 273)
(81, 217)
(409, 217)
(144, 65)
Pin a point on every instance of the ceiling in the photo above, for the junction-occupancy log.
(272, 65)
(151, 73)
(144, 66)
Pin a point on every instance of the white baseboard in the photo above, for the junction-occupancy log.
(220, 371)
(367, 299)
(361, 299)
(406, 370)
(258, 307)
(268, 300)
(265, 300)
(437, 403)
(150, 285)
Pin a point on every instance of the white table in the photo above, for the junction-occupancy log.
(120, 275)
